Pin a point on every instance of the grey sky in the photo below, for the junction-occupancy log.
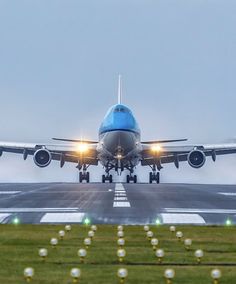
(59, 63)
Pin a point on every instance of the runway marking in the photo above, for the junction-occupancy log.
(32, 210)
(198, 210)
(119, 186)
(62, 218)
(228, 193)
(3, 217)
(9, 192)
(120, 194)
(120, 198)
(119, 190)
(121, 204)
(182, 219)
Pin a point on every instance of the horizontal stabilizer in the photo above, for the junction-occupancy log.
(163, 141)
(75, 140)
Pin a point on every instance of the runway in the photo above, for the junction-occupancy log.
(118, 203)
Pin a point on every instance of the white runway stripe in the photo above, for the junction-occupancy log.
(9, 192)
(62, 218)
(182, 219)
(32, 210)
(3, 217)
(228, 193)
(120, 198)
(120, 194)
(200, 210)
(121, 204)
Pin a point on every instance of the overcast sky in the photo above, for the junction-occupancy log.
(59, 65)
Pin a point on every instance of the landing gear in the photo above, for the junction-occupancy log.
(107, 178)
(84, 174)
(131, 178)
(154, 176)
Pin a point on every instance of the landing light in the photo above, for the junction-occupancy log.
(86, 221)
(228, 222)
(82, 147)
(16, 221)
(158, 221)
(156, 148)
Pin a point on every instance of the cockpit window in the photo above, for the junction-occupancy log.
(120, 109)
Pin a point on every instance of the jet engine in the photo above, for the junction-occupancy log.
(196, 159)
(42, 158)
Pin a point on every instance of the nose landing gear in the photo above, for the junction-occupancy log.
(130, 178)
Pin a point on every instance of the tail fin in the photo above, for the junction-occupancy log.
(119, 90)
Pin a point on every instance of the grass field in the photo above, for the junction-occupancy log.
(19, 245)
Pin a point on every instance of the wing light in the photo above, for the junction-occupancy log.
(156, 148)
(82, 147)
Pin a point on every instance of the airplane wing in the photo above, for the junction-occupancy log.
(195, 155)
(45, 153)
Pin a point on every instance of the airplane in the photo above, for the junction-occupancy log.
(119, 147)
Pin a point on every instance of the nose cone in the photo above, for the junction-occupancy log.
(119, 117)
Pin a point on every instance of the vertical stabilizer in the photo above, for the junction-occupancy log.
(119, 90)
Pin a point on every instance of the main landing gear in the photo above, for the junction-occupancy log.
(154, 175)
(84, 174)
(132, 178)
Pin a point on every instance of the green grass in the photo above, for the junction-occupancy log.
(19, 246)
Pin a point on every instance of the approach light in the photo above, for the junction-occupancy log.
(43, 253)
(156, 148)
(87, 242)
(16, 221)
(169, 274)
(28, 273)
(121, 242)
(86, 221)
(68, 228)
(75, 274)
(172, 229)
(82, 254)
(54, 242)
(187, 243)
(91, 234)
(160, 254)
(179, 235)
(122, 273)
(120, 234)
(149, 235)
(120, 228)
(94, 228)
(82, 147)
(228, 222)
(158, 221)
(154, 243)
(121, 253)
(61, 234)
(199, 254)
(146, 228)
(215, 275)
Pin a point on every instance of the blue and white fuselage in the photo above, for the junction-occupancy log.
(119, 139)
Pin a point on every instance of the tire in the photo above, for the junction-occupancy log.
(103, 179)
(87, 177)
(127, 178)
(110, 178)
(80, 177)
(135, 178)
(158, 177)
(150, 177)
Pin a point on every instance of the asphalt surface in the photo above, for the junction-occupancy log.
(118, 203)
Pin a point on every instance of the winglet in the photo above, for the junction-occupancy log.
(119, 90)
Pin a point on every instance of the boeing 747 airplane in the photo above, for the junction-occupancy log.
(119, 147)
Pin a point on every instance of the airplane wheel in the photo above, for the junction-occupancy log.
(150, 177)
(158, 178)
(87, 177)
(110, 178)
(103, 179)
(135, 179)
(127, 178)
(80, 177)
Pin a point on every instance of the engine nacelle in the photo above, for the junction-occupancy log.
(196, 159)
(42, 158)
